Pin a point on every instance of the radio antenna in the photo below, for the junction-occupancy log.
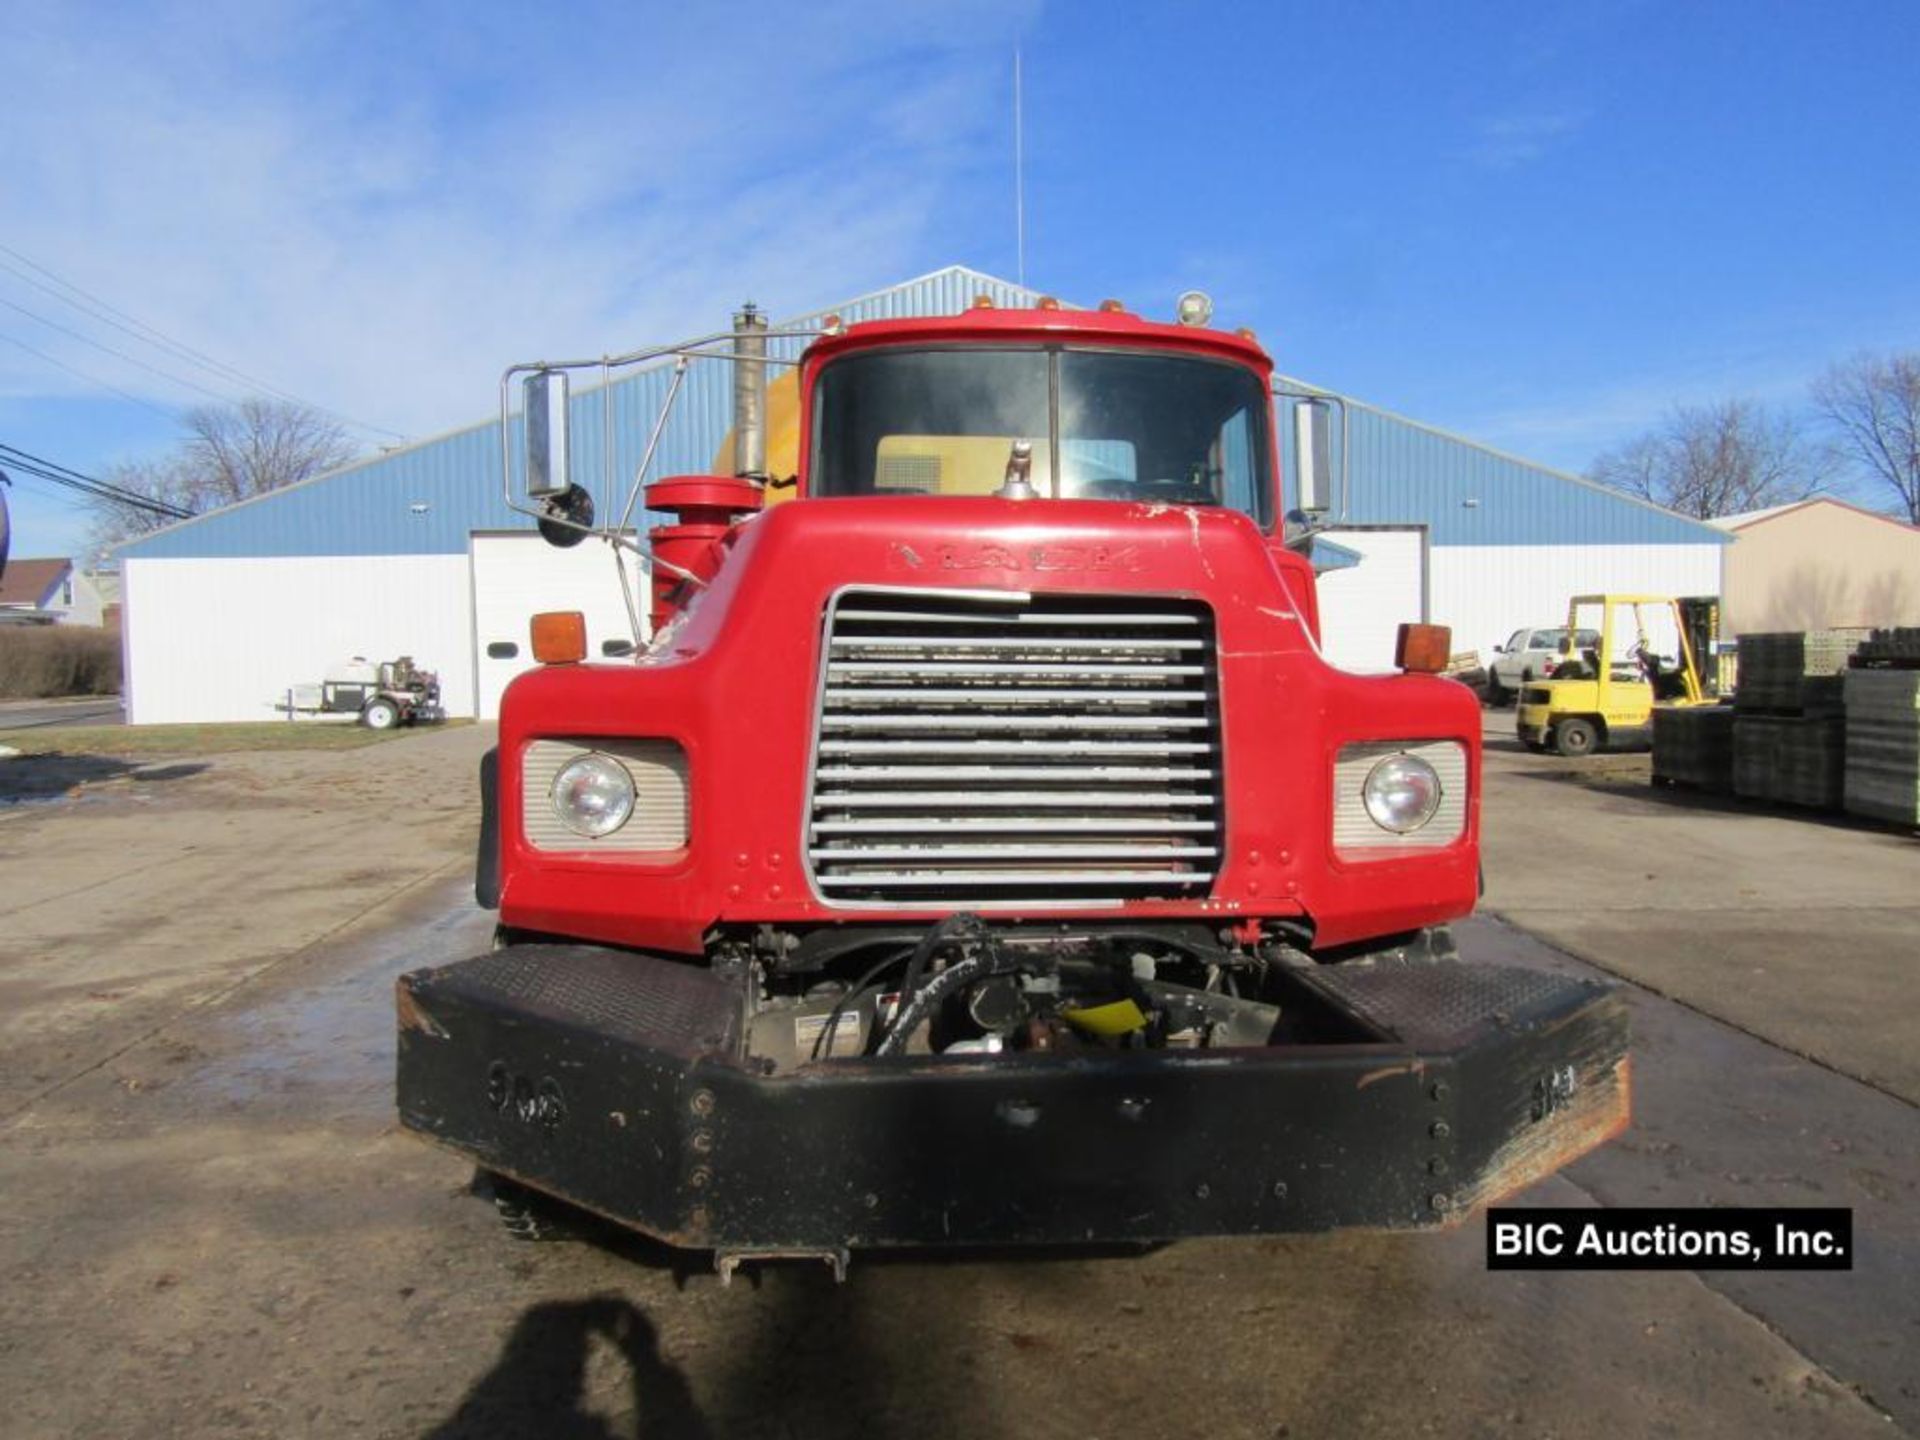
(1019, 182)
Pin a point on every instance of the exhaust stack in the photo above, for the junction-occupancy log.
(750, 392)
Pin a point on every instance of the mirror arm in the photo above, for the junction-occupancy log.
(680, 367)
(686, 350)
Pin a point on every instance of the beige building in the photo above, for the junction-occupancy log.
(1816, 565)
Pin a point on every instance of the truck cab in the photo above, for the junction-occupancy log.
(981, 851)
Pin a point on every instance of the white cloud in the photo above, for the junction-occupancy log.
(377, 207)
(1501, 142)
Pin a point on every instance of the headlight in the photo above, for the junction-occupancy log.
(1401, 792)
(593, 796)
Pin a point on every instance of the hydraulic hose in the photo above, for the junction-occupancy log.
(931, 996)
(917, 1001)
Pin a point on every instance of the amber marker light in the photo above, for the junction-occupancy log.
(560, 637)
(1423, 649)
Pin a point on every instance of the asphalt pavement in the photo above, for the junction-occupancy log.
(214, 1227)
(41, 714)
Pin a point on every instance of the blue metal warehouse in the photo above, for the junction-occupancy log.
(415, 552)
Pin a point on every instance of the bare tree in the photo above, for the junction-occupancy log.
(1872, 402)
(1717, 459)
(228, 453)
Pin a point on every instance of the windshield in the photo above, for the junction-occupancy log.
(1557, 639)
(1130, 426)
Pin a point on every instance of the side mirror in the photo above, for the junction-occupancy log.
(1312, 455)
(544, 408)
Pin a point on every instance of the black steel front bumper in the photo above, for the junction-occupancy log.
(604, 1078)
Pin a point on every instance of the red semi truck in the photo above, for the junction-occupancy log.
(980, 850)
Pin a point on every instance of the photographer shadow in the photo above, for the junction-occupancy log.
(538, 1385)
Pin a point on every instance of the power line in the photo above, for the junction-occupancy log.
(53, 496)
(66, 470)
(91, 379)
(127, 325)
(151, 335)
(54, 472)
(117, 354)
(87, 484)
(156, 507)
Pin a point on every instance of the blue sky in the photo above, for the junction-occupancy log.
(1537, 225)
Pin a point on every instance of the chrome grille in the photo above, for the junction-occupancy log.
(986, 747)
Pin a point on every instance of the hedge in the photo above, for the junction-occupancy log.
(38, 662)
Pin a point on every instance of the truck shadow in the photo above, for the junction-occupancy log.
(538, 1386)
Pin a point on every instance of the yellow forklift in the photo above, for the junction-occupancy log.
(1603, 698)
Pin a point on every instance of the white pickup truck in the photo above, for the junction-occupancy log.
(1531, 655)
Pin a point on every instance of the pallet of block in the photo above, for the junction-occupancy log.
(1693, 746)
(1894, 649)
(1796, 672)
(1790, 759)
(1883, 744)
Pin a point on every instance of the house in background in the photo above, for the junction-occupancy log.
(48, 592)
(106, 580)
(1818, 564)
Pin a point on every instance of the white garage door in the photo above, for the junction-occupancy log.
(517, 576)
(1363, 606)
(213, 639)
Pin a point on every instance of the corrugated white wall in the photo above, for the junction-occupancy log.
(517, 576)
(223, 639)
(1363, 608)
(1486, 592)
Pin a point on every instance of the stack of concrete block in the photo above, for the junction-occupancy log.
(1896, 649)
(1693, 746)
(1796, 672)
(1790, 759)
(1883, 743)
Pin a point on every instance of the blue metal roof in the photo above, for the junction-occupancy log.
(1466, 493)
(428, 497)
